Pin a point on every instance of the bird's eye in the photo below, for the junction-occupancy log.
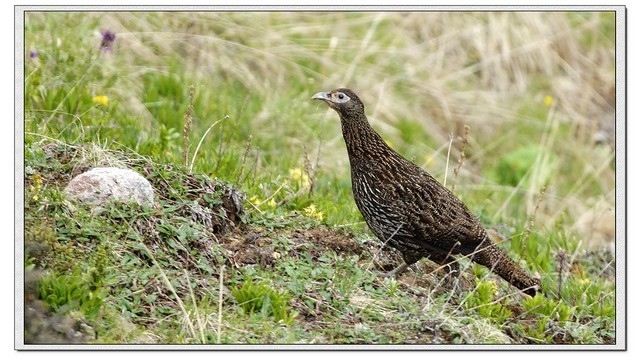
(342, 97)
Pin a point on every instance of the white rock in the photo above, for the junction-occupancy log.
(99, 185)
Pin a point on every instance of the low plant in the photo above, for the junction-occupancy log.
(261, 298)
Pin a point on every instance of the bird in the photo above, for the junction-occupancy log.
(407, 208)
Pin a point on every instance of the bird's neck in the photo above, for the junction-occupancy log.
(363, 143)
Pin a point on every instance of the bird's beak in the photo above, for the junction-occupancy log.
(321, 96)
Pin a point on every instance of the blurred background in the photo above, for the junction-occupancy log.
(513, 110)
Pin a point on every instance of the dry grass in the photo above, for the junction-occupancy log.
(441, 71)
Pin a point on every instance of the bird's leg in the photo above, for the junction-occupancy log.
(409, 259)
(396, 271)
(451, 266)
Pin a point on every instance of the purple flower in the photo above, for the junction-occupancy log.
(33, 54)
(108, 38)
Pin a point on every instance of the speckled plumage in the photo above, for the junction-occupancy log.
(409, 209)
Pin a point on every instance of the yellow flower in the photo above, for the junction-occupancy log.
(36, 186)
(494, 287)
(312, 212)
(258, 202)
(255, 200)
(101, 99)
(584, 281)
(548, 100)
(299, 176)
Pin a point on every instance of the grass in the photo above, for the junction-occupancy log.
(206, 105)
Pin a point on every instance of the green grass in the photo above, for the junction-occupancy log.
(300, 267)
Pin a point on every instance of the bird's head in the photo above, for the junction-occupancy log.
(342, 100)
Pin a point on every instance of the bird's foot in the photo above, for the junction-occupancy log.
(396, 271)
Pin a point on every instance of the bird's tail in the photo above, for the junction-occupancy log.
(492, 257)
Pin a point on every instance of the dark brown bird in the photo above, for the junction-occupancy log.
(407, 208)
